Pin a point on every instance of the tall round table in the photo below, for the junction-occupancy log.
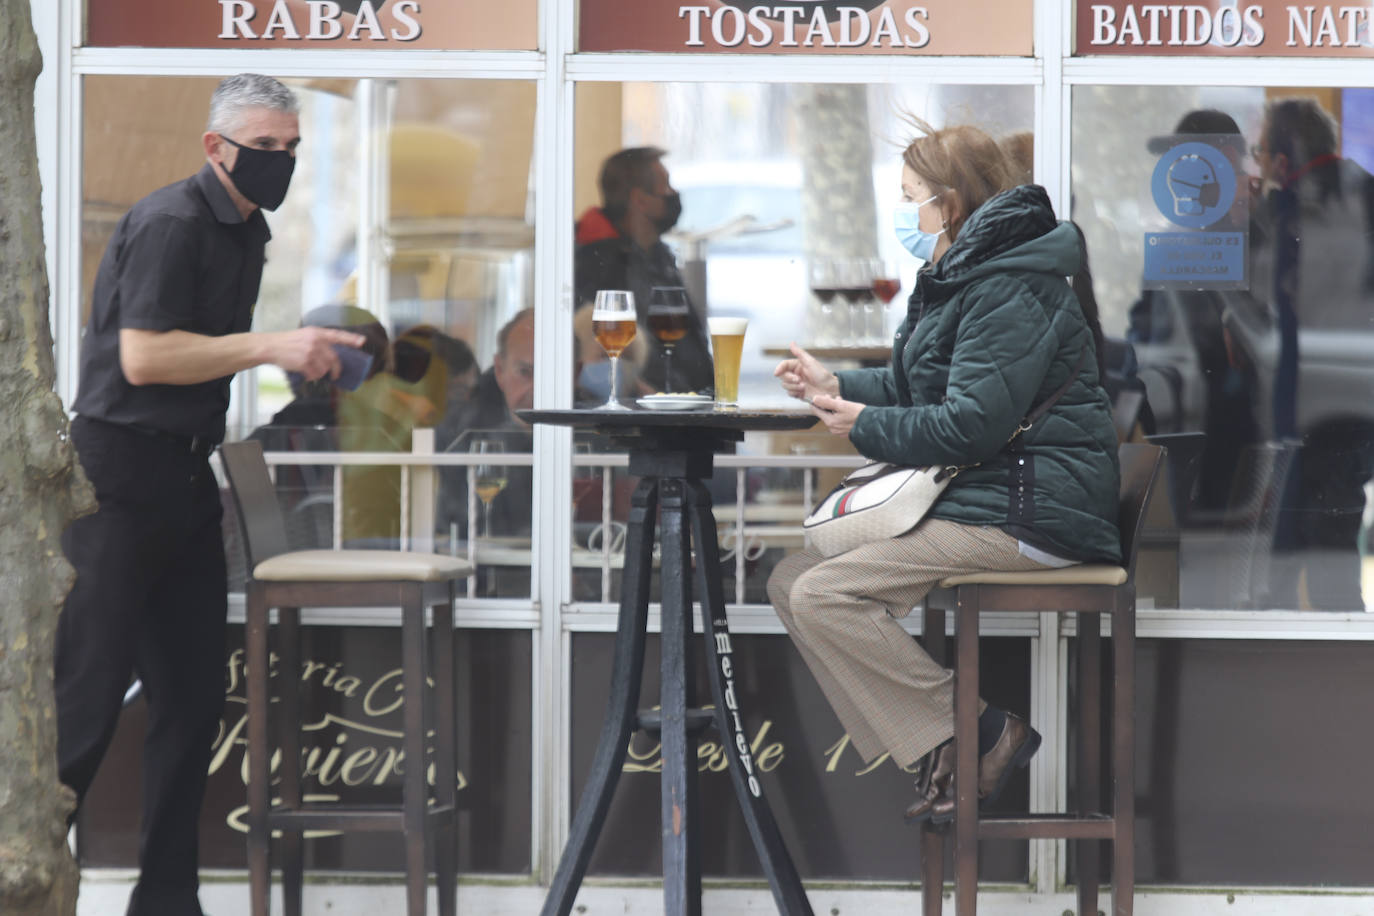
(672, 452)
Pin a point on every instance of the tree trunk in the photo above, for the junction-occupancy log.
(41, 490)
(837, 171)
(839, 214)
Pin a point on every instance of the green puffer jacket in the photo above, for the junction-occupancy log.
(992, 330)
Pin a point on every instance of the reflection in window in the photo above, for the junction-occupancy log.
(772, 178)
(453, 268)
(1262, 387)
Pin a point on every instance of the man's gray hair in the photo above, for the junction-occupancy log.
(237, 94)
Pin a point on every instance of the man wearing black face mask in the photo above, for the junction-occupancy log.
(620, 246)
(170, 315)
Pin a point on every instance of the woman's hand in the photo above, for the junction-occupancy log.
(835, 412)
(803, 377)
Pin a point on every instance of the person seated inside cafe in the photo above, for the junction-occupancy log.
(309, 423)
(620, 246)
(488, 419)
(459, 365)
(380, 416)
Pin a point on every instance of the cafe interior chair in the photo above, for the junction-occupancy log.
(288, 581)
(1089, 591)
(1179, 476)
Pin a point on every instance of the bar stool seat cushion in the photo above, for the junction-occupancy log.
(360, 566)
(1082, 574)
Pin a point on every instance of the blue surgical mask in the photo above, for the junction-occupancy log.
(906, 220)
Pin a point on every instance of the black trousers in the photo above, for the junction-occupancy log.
(149, 598)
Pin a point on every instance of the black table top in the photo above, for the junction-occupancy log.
(737, 419)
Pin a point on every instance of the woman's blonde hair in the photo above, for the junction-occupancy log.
(961, 159)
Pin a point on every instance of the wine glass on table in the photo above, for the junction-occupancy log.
(613, 324)
(667, 319)
(887, 283)
(488, 479)
(821, 275)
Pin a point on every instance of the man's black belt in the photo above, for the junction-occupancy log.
(194, 444)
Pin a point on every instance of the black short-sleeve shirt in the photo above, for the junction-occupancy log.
(182, 259)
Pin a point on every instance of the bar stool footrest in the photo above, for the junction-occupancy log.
(351, 817)
(1046, 826)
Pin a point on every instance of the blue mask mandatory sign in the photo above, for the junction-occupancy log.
(1195, 186)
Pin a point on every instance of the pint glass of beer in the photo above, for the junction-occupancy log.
(613, 323)
(727, 345)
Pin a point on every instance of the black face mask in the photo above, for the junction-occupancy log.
(672, 209)
(261, 175)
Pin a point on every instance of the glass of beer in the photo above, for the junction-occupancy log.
(613, 323)
(667, 319)
(488, 480)
(727, 346)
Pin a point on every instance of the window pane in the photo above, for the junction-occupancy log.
(428, 265)
(1262, 385)
(773, 180)
(1219, 724)
(459, 250)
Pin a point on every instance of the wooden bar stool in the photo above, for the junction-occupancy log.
(290, 580)
(1090, 589)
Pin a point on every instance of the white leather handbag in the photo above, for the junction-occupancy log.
(878, 500)
(882, 500)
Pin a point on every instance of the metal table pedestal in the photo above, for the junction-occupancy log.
(672, 460)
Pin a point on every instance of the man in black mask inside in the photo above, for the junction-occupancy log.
(620, 246)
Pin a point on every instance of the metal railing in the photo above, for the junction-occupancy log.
(745, 527)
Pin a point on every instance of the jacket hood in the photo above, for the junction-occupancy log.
(1013, 230)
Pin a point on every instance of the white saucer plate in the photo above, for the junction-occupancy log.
(674, 401)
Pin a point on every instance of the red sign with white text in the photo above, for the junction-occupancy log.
(1264, 28)
(482, 25)
(908, 27)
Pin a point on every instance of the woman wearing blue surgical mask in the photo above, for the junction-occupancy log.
(992, 330)
(907, 221)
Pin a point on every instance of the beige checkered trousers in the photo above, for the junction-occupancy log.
(842, 614)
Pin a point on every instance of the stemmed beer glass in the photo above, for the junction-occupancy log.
(613, 323)
(488, 479)
(667, 319)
